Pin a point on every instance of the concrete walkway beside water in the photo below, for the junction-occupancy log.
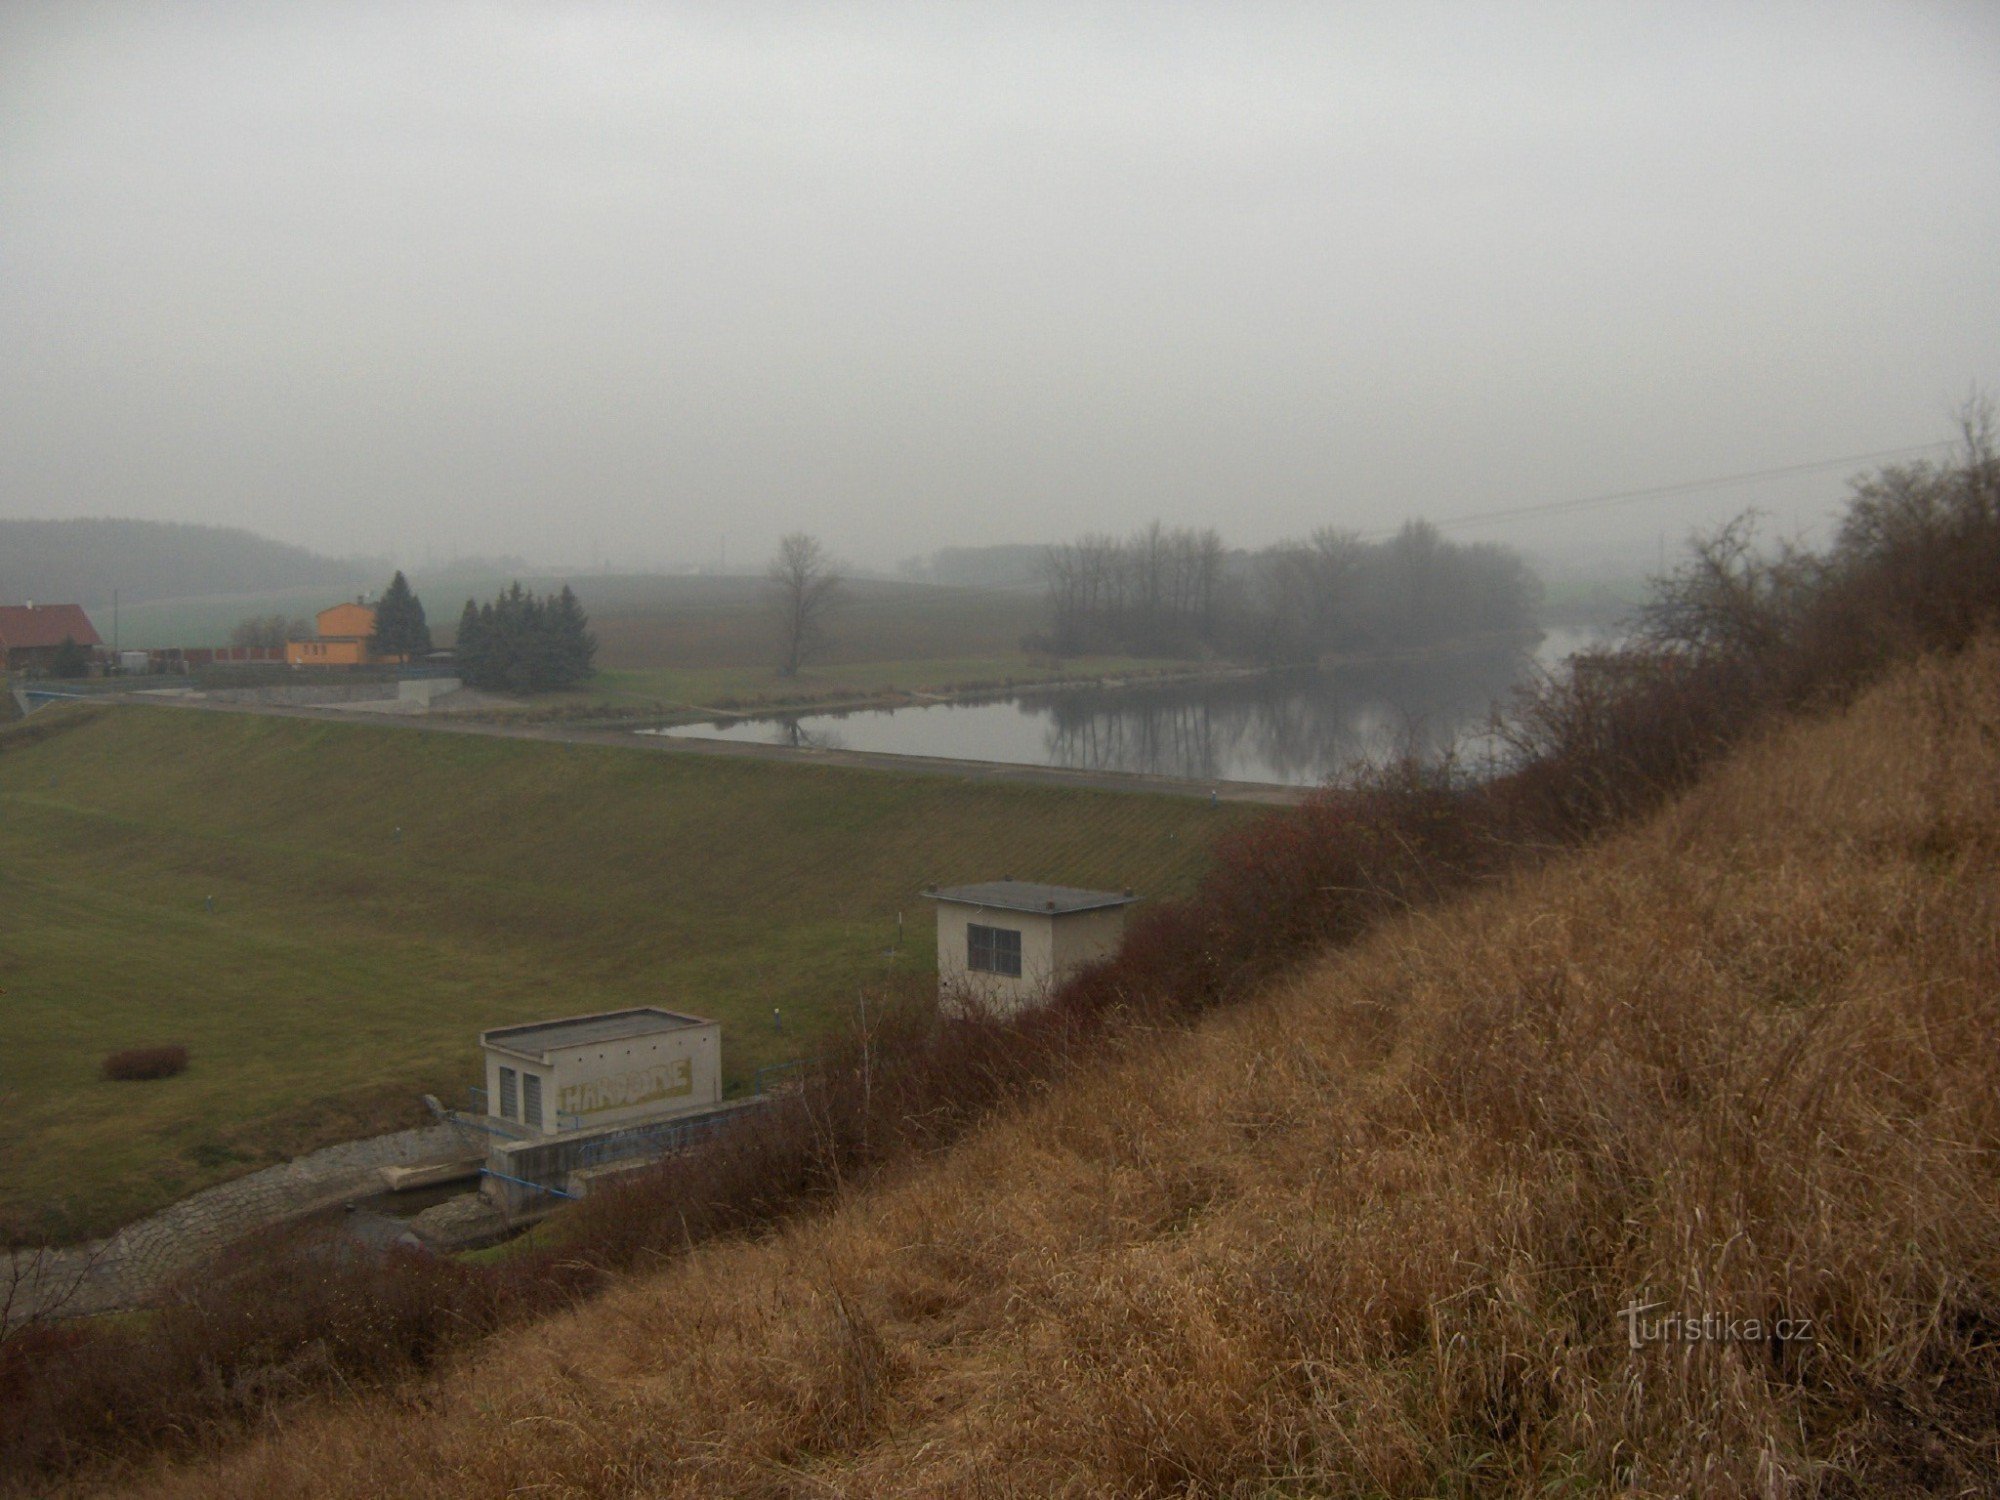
(660, 744)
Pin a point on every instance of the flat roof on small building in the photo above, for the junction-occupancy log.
(538, 1038)
(1029, 895)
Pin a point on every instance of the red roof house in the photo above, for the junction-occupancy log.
(31, 634)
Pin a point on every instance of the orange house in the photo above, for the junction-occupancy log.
(342, 636)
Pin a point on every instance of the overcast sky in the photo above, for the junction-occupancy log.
(576, 279)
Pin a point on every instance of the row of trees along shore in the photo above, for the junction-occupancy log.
(1179, 591)
(523, 643)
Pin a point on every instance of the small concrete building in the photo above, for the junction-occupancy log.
(617, 1067)
(1005, 944)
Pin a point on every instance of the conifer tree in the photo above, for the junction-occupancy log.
(400, 627)
(575, 646)
(493, 649)
(469, 652)
(521, 643)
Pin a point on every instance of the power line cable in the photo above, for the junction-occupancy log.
(1619, 497)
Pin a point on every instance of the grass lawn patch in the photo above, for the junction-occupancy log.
(325, 915)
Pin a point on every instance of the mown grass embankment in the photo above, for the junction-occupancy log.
(381, 896)
(1373, 1234)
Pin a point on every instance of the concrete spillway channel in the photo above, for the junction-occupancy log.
(434, 1188)
(125, 1268)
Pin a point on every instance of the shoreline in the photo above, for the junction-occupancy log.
(919, 698)
(798, 708)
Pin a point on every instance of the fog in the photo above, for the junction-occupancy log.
(636, 284)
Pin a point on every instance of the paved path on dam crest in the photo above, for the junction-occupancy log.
(660, 744)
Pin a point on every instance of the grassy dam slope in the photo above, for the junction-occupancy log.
(379, 896)
(1376, 1233)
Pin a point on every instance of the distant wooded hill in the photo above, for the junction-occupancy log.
(83, 561)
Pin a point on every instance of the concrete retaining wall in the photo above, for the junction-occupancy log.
(303, 694)
(541, 1162)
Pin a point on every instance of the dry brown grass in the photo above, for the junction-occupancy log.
(1371, 1235)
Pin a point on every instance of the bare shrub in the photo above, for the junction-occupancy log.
(285, 1313)
(138, 1064)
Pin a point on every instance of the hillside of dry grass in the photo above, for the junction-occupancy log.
(1372, 1234)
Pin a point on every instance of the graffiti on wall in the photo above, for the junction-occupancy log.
(667, 1080)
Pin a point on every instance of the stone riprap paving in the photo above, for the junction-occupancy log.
(460, 1223)
(125, 1268)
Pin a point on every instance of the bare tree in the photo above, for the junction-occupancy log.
(806, 591)
(269, 630)
(40, 1285)
(1065, 573)
(1731, 597)
(1209, 565)
(1178, 591)
(1336, 560)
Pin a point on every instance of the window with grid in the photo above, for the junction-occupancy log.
(531, 1098)
(993, 950)
(510, 1107)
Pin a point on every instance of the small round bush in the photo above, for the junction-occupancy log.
(139, 1063)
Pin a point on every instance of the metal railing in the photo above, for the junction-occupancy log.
(486, 1123)
(476, 1116)
(653, 1139)
(34, 698)
(568, 1123)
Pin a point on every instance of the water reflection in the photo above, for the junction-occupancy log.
(812, 732)
(1300, 728)
(1295, 728)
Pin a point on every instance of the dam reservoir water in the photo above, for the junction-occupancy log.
(1295, 728)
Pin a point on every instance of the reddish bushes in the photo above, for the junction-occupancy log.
(282, 1314)
(136, 1064)
(1317, 874)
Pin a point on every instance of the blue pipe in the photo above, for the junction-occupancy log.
(523, 1182)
